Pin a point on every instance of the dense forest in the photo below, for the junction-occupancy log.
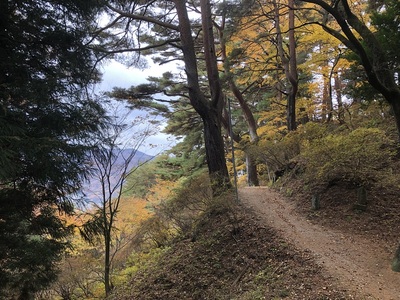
(302, 96)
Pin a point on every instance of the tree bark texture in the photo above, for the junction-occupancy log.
(251, 168)
(107, 263)
(209, 111)
(293, 76)
(289, 62)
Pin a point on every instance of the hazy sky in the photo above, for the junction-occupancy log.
(116, 74)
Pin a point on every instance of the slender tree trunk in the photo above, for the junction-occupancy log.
(289, 62)
(395, 104)
(293, 76)
(326, 100)
(251, 166)
(248, 115)
(332, 74)
(107, 281)
(107, 226)
(338, 90)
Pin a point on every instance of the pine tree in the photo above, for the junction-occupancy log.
(166, 28)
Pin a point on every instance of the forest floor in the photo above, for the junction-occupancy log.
(358, 260)
(273, 246)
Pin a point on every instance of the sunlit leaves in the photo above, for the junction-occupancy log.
(360, 157)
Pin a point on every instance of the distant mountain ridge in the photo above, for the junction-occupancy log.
(140, 157)
(92, 189)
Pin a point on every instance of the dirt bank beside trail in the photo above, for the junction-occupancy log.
(360, 265)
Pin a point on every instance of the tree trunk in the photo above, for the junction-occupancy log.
(251, 167)
(215, 153)
(293, 76)
(291, 109)
(395, 104)
(209, 111)
(107, 283)
(326, 100)
(289, 62)
(338, 90)
(210, 56)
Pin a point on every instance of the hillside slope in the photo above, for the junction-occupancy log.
(236, 254)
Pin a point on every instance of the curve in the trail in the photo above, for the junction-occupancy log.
(359, 265)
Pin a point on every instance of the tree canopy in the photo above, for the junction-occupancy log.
(46, 121)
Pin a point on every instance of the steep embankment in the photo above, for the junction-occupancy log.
(360, 265)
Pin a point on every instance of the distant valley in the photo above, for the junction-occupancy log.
(92, 189)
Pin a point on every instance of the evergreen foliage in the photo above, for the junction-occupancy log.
(186, 157)
(386, 19)
(46, 120)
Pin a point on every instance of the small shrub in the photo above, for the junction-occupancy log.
(178, 214)
(153, 232)
(188, 201)
(277, 153)
(312, 131)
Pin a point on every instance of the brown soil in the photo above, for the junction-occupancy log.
(232, 257)
(348, 248)
(274, 247)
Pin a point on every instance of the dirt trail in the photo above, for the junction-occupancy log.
(359, 265)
